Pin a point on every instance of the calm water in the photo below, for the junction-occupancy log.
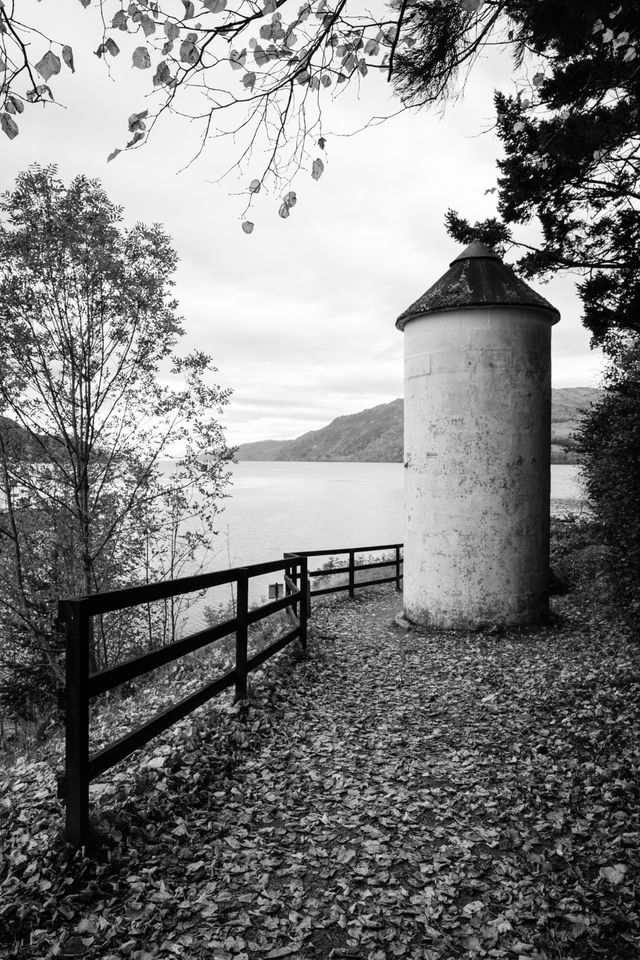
(277, 506)
(282, 506)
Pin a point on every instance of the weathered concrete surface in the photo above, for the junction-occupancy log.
(477, 451)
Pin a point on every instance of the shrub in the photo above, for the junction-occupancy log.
(610, 451)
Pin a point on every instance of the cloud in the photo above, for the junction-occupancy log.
(299, 317)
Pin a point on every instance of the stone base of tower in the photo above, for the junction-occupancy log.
(505, 611)
(466, 606)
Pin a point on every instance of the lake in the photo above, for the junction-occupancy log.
(276, 507)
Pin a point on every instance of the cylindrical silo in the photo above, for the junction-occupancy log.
(477, 436)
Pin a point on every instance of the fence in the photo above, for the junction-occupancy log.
(81, 686)
(351, 568)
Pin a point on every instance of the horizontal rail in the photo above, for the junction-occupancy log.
(81, 686)
(333, 571)
(149, 592)
(326, 553)
(260, 613)
(319, 593)
(113, 676)
(119, 749)
(375, 583)
(345, 586)
(279, 644)
(258, 569)
(376, 566)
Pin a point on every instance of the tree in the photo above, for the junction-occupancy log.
(609, 443)
(89, 325)
(256, 70)
(571, 137)
(265, 63)
(571, 161)
(570, 134)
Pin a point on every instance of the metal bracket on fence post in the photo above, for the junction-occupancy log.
(352, 573)
(398, 569)
(242, 609)
(76, 780)
(305, 601)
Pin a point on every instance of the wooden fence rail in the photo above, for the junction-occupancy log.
(81, 686)
(81, 767)
(352, 568)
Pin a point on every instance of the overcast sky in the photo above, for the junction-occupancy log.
(299, 316)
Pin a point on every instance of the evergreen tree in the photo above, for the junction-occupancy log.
(609, 443)
(571, 137)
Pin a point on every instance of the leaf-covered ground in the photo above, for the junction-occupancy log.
(395, 795)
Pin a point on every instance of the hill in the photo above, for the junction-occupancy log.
(375, 435)
(23, 445)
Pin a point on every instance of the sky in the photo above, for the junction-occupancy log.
(300, 315)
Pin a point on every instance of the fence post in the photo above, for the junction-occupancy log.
(305, 601)
(76, 783)
(242, 609)
(352, 573)
(398, 569)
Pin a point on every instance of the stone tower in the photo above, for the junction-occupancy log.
(477, 435)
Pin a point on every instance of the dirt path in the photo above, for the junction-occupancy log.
(395, 795)
(433, 797)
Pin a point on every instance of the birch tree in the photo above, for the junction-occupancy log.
(89, 325)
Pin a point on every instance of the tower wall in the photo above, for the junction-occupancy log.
(477, 459)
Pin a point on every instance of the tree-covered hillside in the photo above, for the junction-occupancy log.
(375, 435)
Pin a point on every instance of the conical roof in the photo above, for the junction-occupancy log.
(477, 278)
